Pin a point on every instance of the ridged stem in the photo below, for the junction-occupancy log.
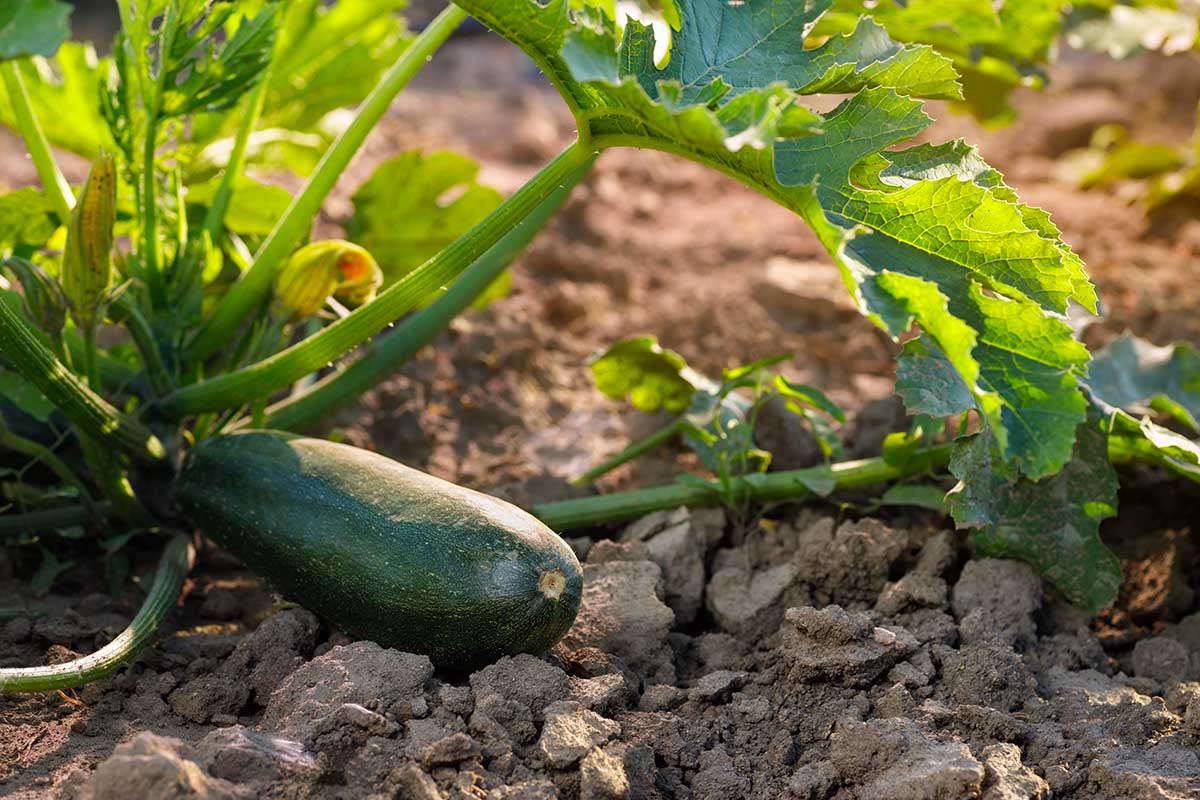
(92, 414)
(172, 570)
(281, 370)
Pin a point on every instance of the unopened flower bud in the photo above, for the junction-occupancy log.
(323, 269)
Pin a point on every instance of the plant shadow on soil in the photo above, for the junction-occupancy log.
(813, 655)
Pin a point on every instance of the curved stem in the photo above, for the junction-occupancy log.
(93, 415)
(785, 485)
(172, 570)
(53, 181)
(254, 284)
(388, 353)
(281, 370)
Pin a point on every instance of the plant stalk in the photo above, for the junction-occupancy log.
(172, 570)
(762, 487)
(93, 415)
(291, 229)
(281, 370)
(52, 178)
(390, 352)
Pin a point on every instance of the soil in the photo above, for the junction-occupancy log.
(805, 653)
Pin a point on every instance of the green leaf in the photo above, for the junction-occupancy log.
(254, 208)
(1137, 377)
(25, 396)
(809, 395)
(650, 376)
(33, 27)
(48, 572)
(204, 67)
(916, 495)
(27, 219)
(1154, 442)
(928, 383)
(996, 47)
(330, 57)
(967, 257)
(1052, 524)
(71, 80)
(413, 206)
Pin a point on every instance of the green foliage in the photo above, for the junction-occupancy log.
(1140, 378)
(716, 419)
(71, 79)
(650, 376)
(27, 219)
(414, 205)
(995, 47)
(927, 235)
(1052, 524)
(33, 27)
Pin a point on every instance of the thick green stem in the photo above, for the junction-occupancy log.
(281, 370)
(53, 181)
(93, 415)
(762, 487)
(291, 229)
(39, 452)
(632, 451)
(30, 523)
(387, 354)
(149, 197)
(172, 570)
(214, 218)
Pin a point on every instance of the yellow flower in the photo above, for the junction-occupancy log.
(87, 259)
(320, 270)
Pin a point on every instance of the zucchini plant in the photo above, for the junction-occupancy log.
(166, 324)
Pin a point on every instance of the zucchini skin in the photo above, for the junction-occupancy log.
(386, 552)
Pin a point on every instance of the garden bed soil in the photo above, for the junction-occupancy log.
(809, 653)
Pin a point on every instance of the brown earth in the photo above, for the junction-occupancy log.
(806, 655)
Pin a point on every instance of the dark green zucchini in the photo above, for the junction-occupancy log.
(385, 551)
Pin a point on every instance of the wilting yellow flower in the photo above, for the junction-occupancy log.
(87, 259)
(322, 269)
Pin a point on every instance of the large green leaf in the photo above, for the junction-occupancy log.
(414, 205)
(33, 27)
(1053, 524)
(929, 235)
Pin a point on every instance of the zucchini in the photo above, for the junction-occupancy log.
(385, 551)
